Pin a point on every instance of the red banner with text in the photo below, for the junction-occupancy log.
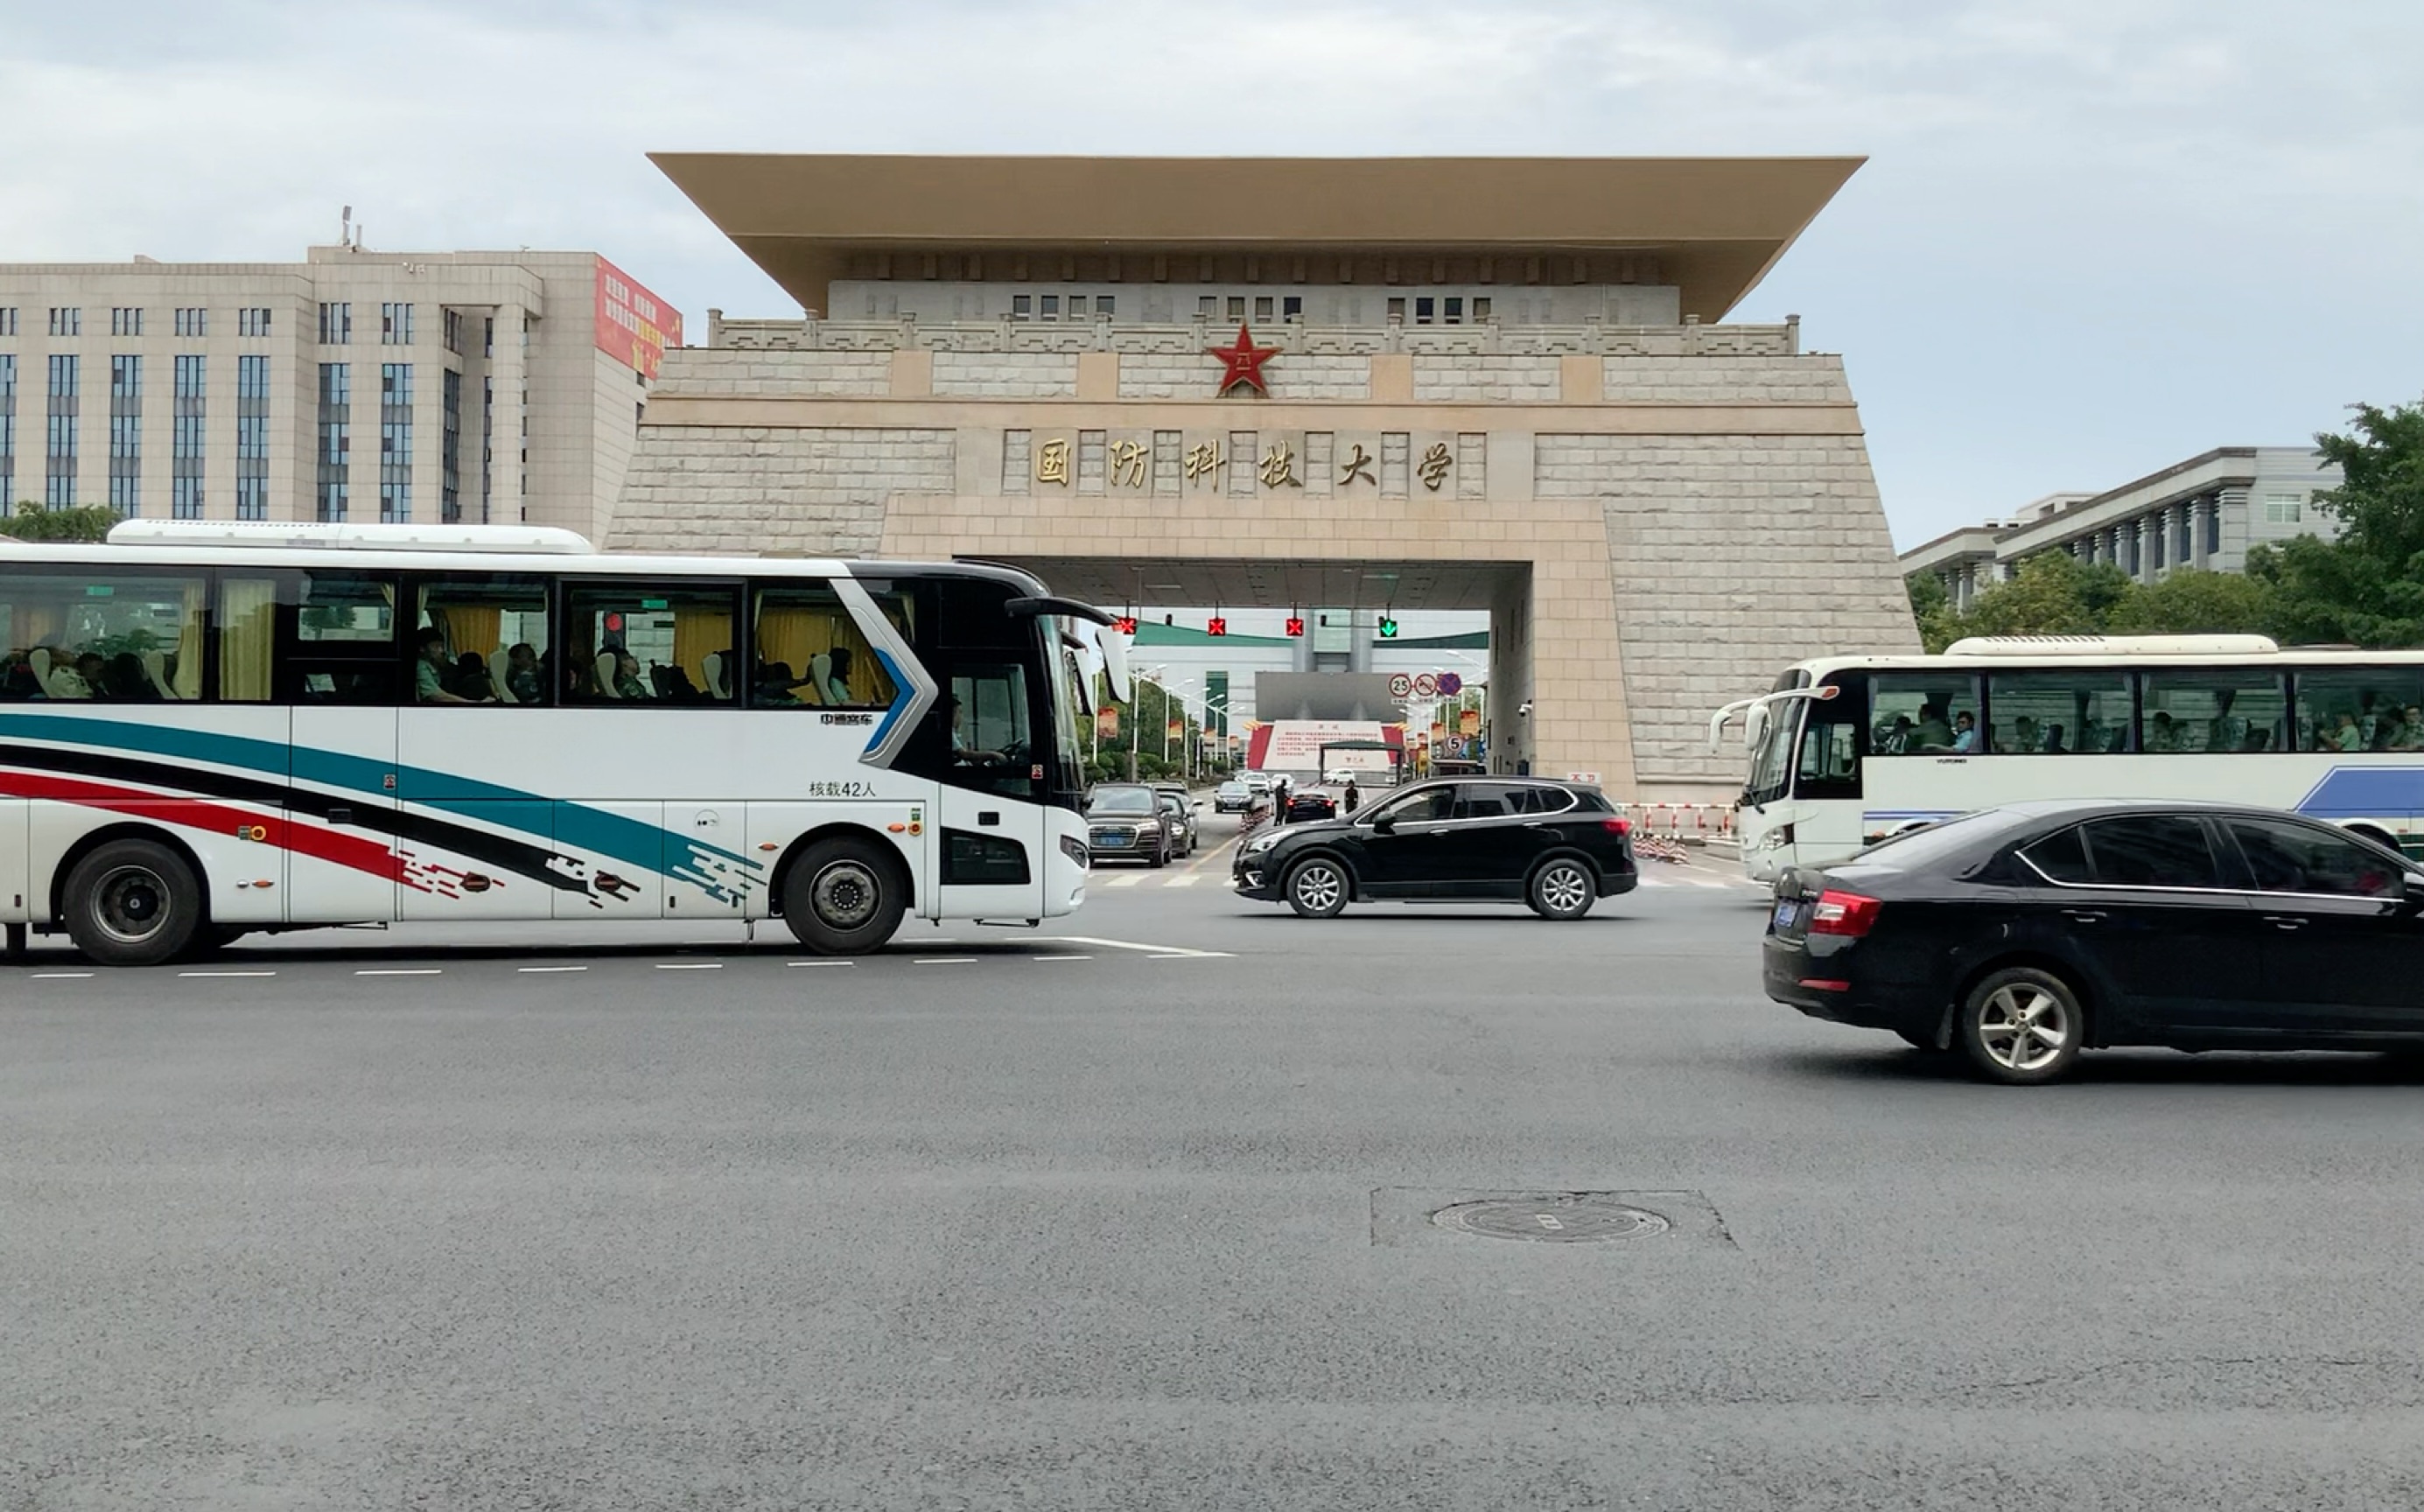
(633, 326)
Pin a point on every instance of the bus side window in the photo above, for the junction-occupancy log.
(2345, 709)
(1831, 742)
(344, 648)
(1924, 713)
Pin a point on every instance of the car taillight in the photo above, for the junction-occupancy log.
(1616, 826)
(1848, 914)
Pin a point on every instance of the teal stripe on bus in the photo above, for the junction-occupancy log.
(575, 826)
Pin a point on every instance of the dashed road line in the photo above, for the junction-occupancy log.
(400, 971)
(60, 976)
(690, 965)
(944, 960)
(1140, 945)
(535, 970)
(827, 962)
(226, 974)
(1065, 958)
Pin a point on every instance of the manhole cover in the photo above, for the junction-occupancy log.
(1558, 1217)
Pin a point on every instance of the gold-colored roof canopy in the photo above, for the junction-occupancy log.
(1711, 226)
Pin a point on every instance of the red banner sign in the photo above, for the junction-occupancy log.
(634, 327)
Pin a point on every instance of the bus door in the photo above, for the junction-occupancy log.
(985, 848)
(342, 666)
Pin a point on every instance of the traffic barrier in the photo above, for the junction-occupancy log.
(1676, 821)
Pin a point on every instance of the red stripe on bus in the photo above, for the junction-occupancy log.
(196, 814)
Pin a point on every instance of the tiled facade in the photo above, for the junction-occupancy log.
(542, 419)
(1684, 511)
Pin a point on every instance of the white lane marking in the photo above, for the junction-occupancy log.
(944, 960)
(1653, 882)
(820, 963)
(1125, 878)
(400, 971)
(226, 974)
(1039, 958)
(1697, 882)
(1149, 949)
(1184, 879)
(690, 965)
(60, 976)
(533, 969)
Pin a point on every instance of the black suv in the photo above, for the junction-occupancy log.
(1123, 822)
(1556, 846)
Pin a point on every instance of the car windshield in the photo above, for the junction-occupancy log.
(1121, 801)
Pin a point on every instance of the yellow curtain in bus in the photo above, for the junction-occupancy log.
(187, 681)
(697, 635)
(797, 636)
(247, 619)
(790, 636)
(474, 629)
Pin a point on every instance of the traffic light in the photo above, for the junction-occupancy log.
(1217, 626)
(1124, 624)
(1388, 627)
(1294, 626)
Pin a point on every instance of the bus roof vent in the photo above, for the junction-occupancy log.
(2129, 646)
(309, 535)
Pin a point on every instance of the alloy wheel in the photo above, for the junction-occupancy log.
(1564, 889)
(1319, 887)
(2023, 1027)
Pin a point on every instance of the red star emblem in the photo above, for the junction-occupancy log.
(1244, 363)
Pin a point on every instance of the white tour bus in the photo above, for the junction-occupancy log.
(1845, 751)
(211, 729)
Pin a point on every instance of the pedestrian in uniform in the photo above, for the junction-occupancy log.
(1353, 798)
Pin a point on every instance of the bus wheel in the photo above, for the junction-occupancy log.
(843, 897)
(132, 903)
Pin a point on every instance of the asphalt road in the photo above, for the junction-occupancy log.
(1136, 1216)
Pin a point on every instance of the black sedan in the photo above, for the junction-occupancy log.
(2020, 935)
(1556, 846)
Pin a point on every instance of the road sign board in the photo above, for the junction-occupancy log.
(1400, 685)
(1450, 684)
(1425, 685)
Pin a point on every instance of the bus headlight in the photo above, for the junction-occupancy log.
(1777, 839)
(1075, 850)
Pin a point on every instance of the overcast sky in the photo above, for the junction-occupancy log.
(2094, 236)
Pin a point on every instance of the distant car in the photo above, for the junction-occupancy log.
(1340, 776)
(2019, 935)
(1178, 819)
(1308, 803)
(1232, 797)
(1258, 783)
(1123, 822)
(1559, 847)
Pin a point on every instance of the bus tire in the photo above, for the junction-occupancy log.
(844, 896)
(132, 903)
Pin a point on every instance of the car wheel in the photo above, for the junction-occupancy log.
(132, 903)
(1563, 888)
(2021, 1026)
(844, 896)
(1161, 856)
(1317, 888)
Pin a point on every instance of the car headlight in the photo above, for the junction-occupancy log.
(1260, 843)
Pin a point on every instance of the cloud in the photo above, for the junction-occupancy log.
(2092, 238)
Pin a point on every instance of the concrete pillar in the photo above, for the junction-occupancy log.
(509, 381)
(2200, 513)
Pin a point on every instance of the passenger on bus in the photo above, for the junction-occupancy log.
(2053, 741)
(629, 685)
(2163, 734)
(2345, 735)
(2224, 731)
(2024, 735)
(1965, 733)
(1898, 738)
(430, 672)
(1933, 733)
(126, 682)
(524, 676)
(93, 671)
(469, 682)
(775, 685)
(837, 689)
(17, 681)
(960, 749)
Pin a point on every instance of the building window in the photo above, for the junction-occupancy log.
(127, 435)
(1423, 310)
(252, 437)
(395, 325)
(1237, 307)
(1292, 306)
(126, 320)
(1480, 308)
(2183, 535)
(60, 444)
(1206, 307)
(253, 321)
(334, 456)
(67, 322)
(2214, 531)
(450, 452)
(187, 440)
(1397, 311)
(1022, 307)
(452, 320)
(1262, 306)
(2284, 509)
(336, 324)
(190, 321)
(1452, 310)
(1049, 307)
(8, 320)
(395, 442)
(8, 430)
(488, 446)
(1106, 306)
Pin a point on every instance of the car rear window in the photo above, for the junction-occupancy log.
(1917, 847)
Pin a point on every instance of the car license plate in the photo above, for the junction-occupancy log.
(1786, 911)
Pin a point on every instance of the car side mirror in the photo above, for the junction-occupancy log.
(1384, 825)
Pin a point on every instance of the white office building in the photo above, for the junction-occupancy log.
(355, 385)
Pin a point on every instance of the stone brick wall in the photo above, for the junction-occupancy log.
(1727, 552)
(1005, 375)
(725, 373)
(1487, 379)
(1291, 375)
(1725, 379)
(693, 488)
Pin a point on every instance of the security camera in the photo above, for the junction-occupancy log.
(1523, 709)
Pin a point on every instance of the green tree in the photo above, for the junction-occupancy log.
(1931, 608)
(2052, 594)
(2366, 587)
(32, 522)
(2190, 602)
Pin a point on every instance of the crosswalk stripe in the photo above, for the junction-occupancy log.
(1125, 878)
(1190, 880)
